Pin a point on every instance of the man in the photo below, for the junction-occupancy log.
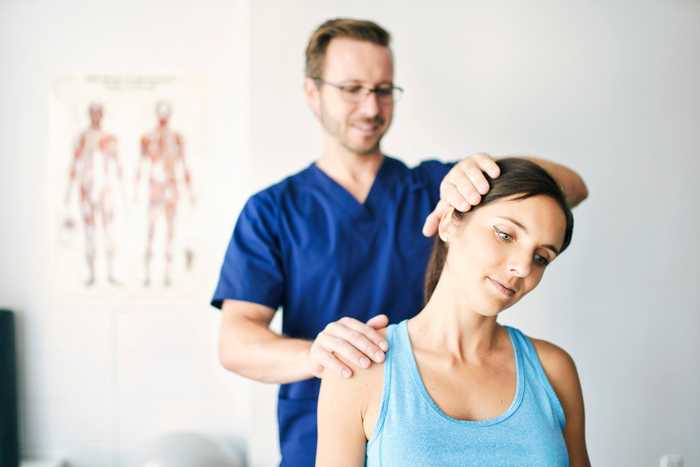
(94, 165)
(164, 149)
(338, 242)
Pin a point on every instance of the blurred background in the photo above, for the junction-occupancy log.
(608, 88)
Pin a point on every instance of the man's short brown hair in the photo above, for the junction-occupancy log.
(361, 30)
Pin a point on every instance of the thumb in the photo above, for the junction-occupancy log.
(431, 223)
(379, 321)
(433, 220)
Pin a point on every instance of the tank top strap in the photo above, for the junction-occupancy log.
(533, 371)
(399, 361)
(397, 375)
(402, 358)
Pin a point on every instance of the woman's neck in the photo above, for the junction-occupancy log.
(448, 325)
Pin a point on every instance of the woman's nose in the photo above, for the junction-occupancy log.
(520, 266)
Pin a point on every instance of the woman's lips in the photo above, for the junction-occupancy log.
(507, 291)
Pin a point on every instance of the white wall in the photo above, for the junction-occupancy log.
(98, 379)
(609, 89)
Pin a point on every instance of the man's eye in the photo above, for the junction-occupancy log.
(384, 92)
(502, 235)
(353, 89)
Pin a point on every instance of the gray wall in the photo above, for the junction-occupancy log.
(607, 88)
(100, 376)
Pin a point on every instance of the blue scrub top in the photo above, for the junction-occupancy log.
(307, 245)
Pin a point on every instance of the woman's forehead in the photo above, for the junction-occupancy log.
(539, 215)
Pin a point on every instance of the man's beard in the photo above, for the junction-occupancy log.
(336, 130)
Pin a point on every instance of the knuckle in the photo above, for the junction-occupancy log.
(361, 342)
(330, 362)
(467, 189)
(351, 345)
(355, 335)
(468, 162)
(474, 172)
(338, 342)
(455, 199)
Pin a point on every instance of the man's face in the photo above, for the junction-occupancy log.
(356, 126)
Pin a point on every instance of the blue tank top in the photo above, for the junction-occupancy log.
(412, 429)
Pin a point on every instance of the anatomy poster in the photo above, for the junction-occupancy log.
(127, 158)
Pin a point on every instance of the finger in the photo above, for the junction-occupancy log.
(361, 337)
(451, 195)
(368, 340)
(378, 322)
(345, 349)
(472, 171)
(432, 221)
(430, 226)
(328, 361)
(466, 181)
(487, 164)
(370, 329)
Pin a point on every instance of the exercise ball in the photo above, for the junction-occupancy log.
(186, 449)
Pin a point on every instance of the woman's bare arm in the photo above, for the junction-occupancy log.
(561, 372)
(341, 406)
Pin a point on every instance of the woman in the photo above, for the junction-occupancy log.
(457, 388)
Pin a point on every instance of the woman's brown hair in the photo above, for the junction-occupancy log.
(519, 179)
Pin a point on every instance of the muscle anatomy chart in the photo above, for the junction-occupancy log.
(124, 155)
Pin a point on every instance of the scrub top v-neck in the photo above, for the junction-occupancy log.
(308, 246)
(366, 210)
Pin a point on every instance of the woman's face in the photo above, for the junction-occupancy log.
(498, 252)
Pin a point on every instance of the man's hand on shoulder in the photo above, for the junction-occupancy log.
(351, 340)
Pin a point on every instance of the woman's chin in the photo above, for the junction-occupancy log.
(494, 306)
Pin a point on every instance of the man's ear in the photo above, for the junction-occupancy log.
(313, 96)
(446, 226)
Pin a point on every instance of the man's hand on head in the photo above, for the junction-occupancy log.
(462, 188)
(351, 339)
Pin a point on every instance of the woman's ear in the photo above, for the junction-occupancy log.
(446, 225)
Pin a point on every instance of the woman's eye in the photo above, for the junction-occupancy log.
(502, 235)
(541, 260)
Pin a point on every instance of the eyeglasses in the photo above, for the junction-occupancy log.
(356, 93)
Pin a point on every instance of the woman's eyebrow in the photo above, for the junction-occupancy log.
(551, 247)
(514, 222)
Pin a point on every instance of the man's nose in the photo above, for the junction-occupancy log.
(369, 104)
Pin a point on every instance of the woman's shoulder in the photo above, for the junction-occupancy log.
(364, 384)
(551, 355)
(559, 368)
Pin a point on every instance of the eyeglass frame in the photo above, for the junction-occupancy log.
(367, 91)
